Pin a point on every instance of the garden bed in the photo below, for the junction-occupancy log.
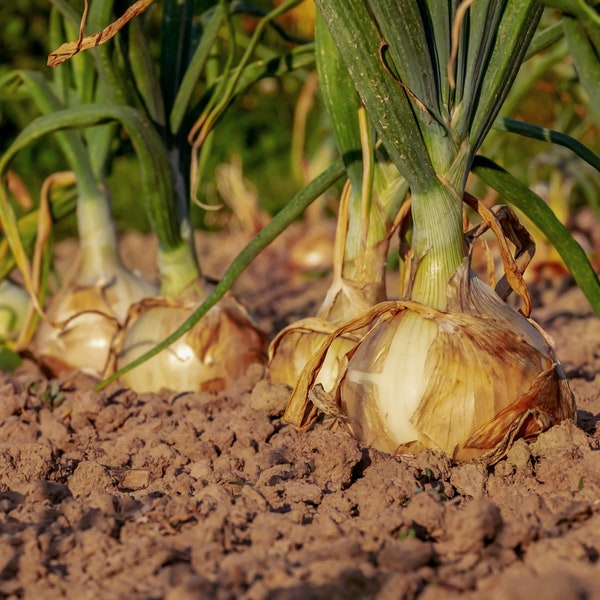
(210, 495)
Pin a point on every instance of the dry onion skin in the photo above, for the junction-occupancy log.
(294, 346)
(83, 320)
(215, 352)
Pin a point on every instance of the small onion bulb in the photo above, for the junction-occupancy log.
(82, 322)
(215, 352)
(293, 347)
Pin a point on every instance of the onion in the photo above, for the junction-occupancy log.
(450, 367)
(358, 283)
(84, 317)
(467, 380)
(215, 352)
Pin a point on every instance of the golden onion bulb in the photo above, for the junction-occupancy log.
(215, 352)
(83, 320)
(467, 380)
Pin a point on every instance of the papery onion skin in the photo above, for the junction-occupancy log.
(293, 347)
(487, 376)
(82, 322)
(215, 352)
(371, 386)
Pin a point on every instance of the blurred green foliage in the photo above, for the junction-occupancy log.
(24, 43)
(258, 128)
(24, 34)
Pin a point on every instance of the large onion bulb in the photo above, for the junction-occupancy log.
(467, 380)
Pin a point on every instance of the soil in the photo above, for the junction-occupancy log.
(181, 496)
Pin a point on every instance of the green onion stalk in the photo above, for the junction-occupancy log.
(221, 347)
(451, 366)
(369, 204)
(84, 316)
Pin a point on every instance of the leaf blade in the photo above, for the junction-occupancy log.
(385, 99)
(542, 216)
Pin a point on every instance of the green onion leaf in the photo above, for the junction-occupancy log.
(542, 216)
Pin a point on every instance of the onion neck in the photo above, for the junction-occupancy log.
(365, 250)
(179, 269)
(365, 225)
(97, 235)
(438, 242)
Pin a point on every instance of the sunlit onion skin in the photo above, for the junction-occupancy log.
(467, 380)
(214, 353)
(83, 321)
(14, 305)
(293, 347)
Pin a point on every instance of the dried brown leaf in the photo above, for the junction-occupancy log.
(70, 49)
